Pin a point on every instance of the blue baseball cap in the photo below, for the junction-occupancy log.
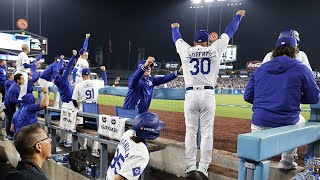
(81, 51)
(142, 62)
(287, 41)
(86, 71)
(201, 36)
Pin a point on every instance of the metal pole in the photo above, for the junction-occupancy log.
(40, 17)
(195, 21)
(109, 52)
(234, 8)
(220, 21)
(208, 17)
(27, 12)
(12, 14)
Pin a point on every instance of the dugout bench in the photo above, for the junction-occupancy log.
(53, 126)
(254, 148)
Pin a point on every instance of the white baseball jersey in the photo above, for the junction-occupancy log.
(200, 68)
(22, 59)
(201, 64)
(301, 56)
(130, 158)
(87, 90)
(81, 64)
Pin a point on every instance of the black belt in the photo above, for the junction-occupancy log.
(204, 87)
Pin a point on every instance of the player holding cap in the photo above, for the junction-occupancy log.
(200, 68)
(132, 156)
(82, 61)
(301, 56)
(141, 85)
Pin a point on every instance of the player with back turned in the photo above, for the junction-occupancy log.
(200, 69)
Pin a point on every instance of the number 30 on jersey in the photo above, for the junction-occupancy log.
(200, 65)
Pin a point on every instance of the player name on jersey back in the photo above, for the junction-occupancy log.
(201, 52)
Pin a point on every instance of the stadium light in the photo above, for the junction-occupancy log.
(208, 1)
(196, 1)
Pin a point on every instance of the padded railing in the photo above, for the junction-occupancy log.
(254, 148)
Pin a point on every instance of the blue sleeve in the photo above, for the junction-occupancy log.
(39, 57)
(14, 97)
(310, 90)
(134, 78)
(74, 74)
(34, 108)
(161, 80)
(175, 34)
(25, 65)
(233, 26)
(85, 44)
(249, 92)
(68, 68)
(104, 77)
(74, 103)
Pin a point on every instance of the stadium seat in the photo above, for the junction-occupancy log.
(126, 112)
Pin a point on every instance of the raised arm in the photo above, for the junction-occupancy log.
(104, 74)
(139, 72)
(175, 32)
(233, 26)
(86, 41)
(70, 63)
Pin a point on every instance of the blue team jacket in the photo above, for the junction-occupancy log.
(62, 82)
(51, 71)
(3, 74)
(276, 90)
(12, 95)
(7, 84)
(141, 89)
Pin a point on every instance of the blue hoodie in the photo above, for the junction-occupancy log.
(277, 89)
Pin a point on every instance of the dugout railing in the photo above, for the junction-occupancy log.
(254, 148)
(53, 127)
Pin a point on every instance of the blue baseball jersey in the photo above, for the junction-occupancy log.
(11, 97)
(51, 71)
(63, 84)
(3, 74)
(141, 89)
(25, 115)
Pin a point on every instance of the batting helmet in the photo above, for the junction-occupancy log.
(147, 125)
(290, 32)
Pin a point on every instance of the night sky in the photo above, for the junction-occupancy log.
(147, 25)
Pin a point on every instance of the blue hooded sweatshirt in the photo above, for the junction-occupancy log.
(277, 89)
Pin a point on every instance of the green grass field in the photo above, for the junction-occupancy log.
(227, 105)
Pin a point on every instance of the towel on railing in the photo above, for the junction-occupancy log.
(68, 119)
(111, 126)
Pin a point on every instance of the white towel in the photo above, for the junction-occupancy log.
(68, 119)
(111, 126)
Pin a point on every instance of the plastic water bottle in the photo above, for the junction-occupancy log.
(93, 168)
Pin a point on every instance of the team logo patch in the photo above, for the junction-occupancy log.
(113, 121)
(136, 171)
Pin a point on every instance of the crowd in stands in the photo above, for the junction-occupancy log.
(222, 83)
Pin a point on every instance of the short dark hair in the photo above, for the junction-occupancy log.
(25, 139)
(17, 77)
(289, 51)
